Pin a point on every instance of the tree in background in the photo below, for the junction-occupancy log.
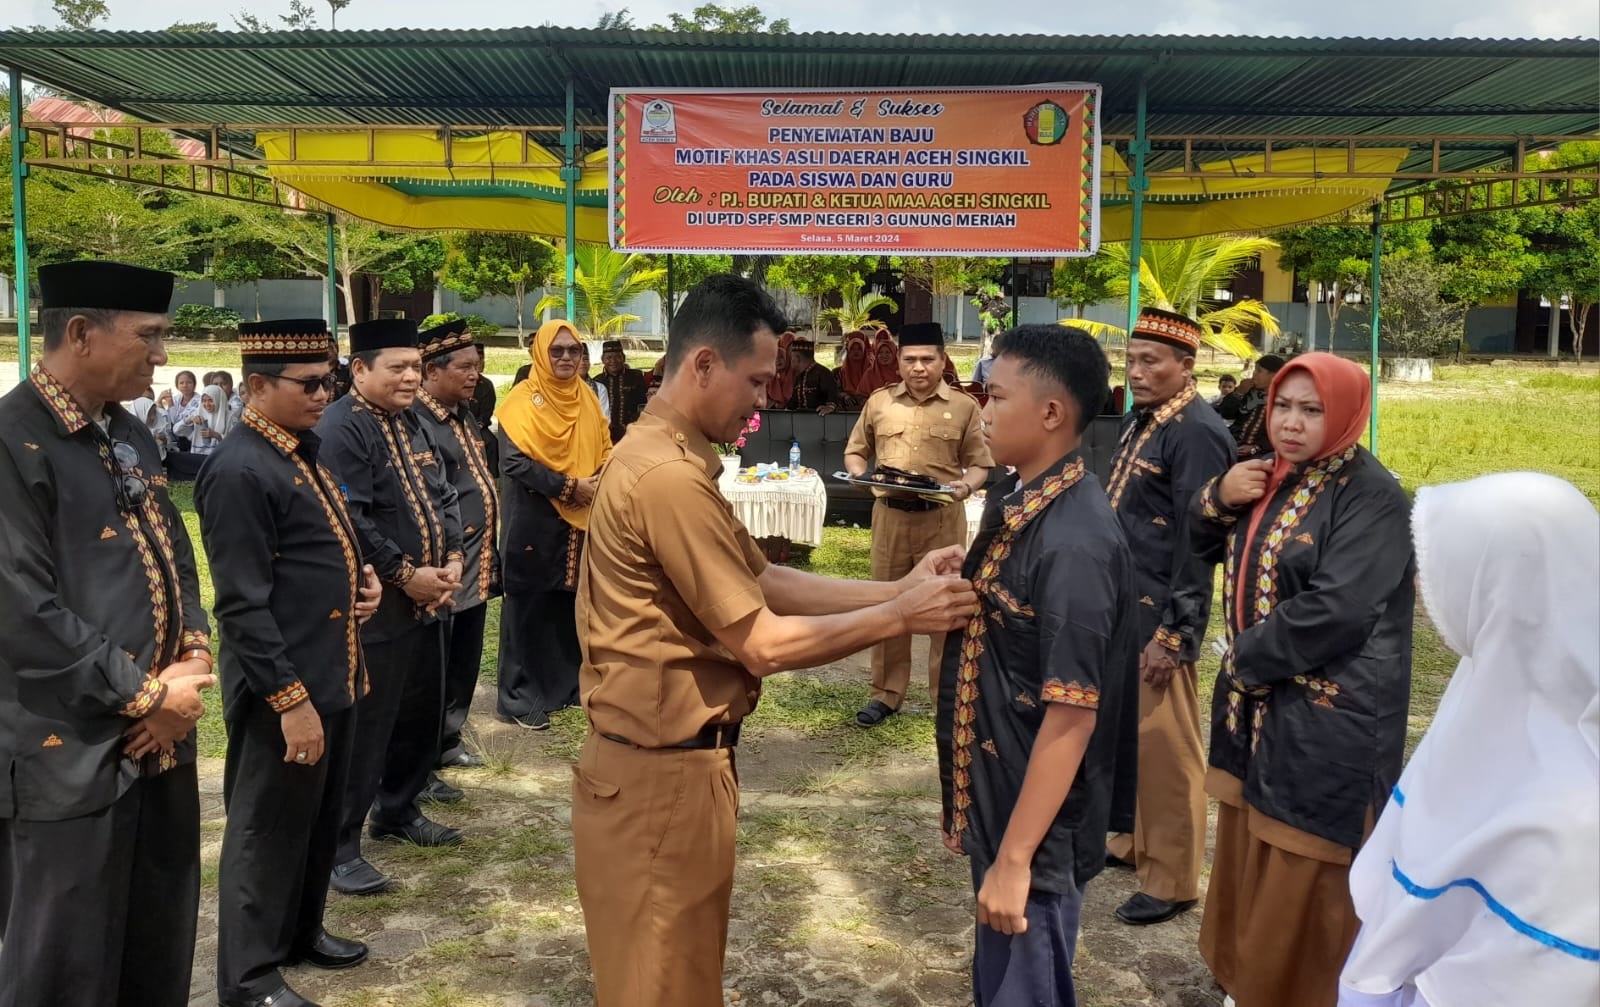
(1564, 244)
(715, 18)
(994, 311)
(413, 263)
(618, 20)
(855, 306)
(1415, 317)
(603, 282)
(301, 16)
(479, 263)
(948, 276)
(817, 276)
(334, 7)
(393, 259)
(1184, 276)
(80, 14)
(1080, 283)
(687, 270)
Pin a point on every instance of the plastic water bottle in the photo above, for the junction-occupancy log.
(794, 457)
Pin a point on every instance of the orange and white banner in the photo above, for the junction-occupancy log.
(1012, 171)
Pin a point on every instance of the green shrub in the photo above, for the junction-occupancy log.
(476, 324)
(204, 316)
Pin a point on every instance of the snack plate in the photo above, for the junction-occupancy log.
(942, 494)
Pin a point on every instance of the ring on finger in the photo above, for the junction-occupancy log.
(300, 757)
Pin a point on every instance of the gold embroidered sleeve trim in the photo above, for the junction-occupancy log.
(149, 697)
(289, 697)
(1168, 639)
(1070, 694)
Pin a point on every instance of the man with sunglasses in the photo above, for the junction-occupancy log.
(107, 649)
(291, 593)
(408, 526)
(450, 376)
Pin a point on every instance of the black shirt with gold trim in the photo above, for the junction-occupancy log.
(286, 569)
(98, 583)
(1055, 625)
(1166, 454)
(466, 466)
(403, 507)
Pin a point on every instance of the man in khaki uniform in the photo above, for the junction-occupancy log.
(920, 425)
(680, 618)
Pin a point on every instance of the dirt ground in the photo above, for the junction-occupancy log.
(844, 895)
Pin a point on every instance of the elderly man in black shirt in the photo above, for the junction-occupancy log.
(625, 387)
(106, 651)
(290, 594)
(1173, 443)
(409, 528)
(450, 377)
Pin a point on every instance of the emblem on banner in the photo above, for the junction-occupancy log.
(1045, 123)
(660, 122)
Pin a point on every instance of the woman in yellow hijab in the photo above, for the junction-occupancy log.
(553, 441)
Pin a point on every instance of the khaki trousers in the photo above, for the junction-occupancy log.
(1277, 926)
(653, 834)
(899, 541)
(1168, 843)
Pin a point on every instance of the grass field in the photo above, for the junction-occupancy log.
(841, 880)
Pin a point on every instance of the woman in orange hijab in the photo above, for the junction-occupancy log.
(781, 388)
(1308, 720)
(856, 374)
(553, 441)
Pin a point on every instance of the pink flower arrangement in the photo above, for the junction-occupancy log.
(750, 427)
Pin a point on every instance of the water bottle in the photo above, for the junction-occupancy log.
(794, 457)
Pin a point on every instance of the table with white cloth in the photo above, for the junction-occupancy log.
(792, 509)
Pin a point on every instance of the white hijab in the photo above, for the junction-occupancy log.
(217, 418)
(1481, 883)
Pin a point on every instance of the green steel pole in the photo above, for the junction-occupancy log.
(569, 177)
(1377, 269)
(333, 277)
(1137, 186)
(19, 226)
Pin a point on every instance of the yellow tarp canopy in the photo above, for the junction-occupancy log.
(400, 179)
(1229, 200)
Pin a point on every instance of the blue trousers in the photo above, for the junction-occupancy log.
(1034, 968)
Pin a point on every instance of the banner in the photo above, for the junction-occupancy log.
(999, 172)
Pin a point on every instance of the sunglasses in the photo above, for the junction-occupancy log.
(566, 351)
(131, 490)
(309, 385)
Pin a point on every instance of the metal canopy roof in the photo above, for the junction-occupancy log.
(1197, 86)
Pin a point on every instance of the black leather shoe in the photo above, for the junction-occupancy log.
(1116, 863)
(439, 792)
(875, 713)
(420, 831)
(462, 760)
(1142, 910)
(357, 877)
(330, 952)
(282, 997)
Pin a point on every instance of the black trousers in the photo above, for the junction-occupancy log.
(397, 734)
(539, 653)
(277, 850)
(463, 632)
(100, 910)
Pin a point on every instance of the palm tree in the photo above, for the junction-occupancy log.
(855, 309)
(1184, 276)
(603, 281)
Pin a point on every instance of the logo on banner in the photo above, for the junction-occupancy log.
(1045, 123)
(660, 123)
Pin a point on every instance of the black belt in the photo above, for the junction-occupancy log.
(915, 505)
(710, 736)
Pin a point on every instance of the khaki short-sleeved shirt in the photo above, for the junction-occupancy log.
(938, 436)
(666, 562)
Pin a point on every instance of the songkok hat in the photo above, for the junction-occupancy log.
(804, 345)
(611, 346)
(285, 341)
(443, 339)
(105, 286)
(383, 334)
(1167, 327)
(922, 334)
(1271, 363)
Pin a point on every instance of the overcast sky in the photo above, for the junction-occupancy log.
(1373, 18)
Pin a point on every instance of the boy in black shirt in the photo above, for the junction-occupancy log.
(1034, 694)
